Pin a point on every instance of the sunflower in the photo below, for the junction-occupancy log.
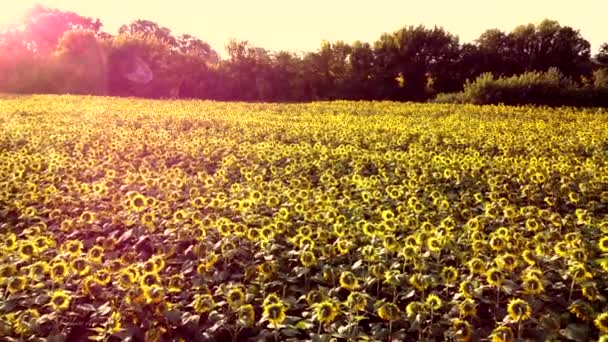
(314, 297)
(590, 291)
(601, 322)
(349, 281)
(602, 244)
(149, 279)
(581, 309)
(246, 315)
(176, 283)
(203, 303)
(497, 243)
(507, 262)
(389, 312)
(434, 302)
(532, 286)
(72, 247)
(494, 276)
(138, 203)
(27, 250)
(126, 278)
(467, 308)
(434, 245)
(16, 284)
(96, 254)
(235, 297)
(266, 270)
(59, 271)
(502, 334)
(414, 308)
(519, 310)
(342, 246)
(38, 270)
(87, 217)
(275, 313)
(476, 266)
(308, 259)
(419, 282)
(103, 276)
(467, 289)
(26, 320)
(154, 294)
(80, 266)
(449, 275)
(356, 301)
(579, 273)
(325, 311)
(272, 298)
(462, 329)
(60, 300)
(529, 257)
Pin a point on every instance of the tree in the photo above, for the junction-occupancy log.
(412, 57)
(81, 64)
(150, 28)
(602, 54)
(141, 65)
(43, 27)
(548, 44)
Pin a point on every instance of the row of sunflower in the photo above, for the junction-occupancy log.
(142, 220)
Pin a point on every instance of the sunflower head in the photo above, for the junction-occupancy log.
(235, 297)
(414, 308)
(519, 310)
(356, 301)
(275, 313)
(203, 303)
(581, 309)
(348, 281)
(449, 275)
(16, 284)
(467, 308)
(389, 312)
(60, 300)
(601, 322)
(532, 286)
(246, 314)
(308, 259)
(326, 311)
(96, 254)
(461, 329)
(434, 302)
(502, 334)
(80, 266)
(494, 276)
(59, 271)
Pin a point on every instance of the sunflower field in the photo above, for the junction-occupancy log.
(141, 220)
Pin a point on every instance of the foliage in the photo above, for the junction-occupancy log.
(204, 221)
(549, 88)
(413, 63)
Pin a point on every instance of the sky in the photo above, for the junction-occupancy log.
(301, 25)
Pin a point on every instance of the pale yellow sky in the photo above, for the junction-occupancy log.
(301, 25)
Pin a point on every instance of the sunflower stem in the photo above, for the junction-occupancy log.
(390, 330)
(519, 328)
(497, 296)
(571, 291)
(319, 329)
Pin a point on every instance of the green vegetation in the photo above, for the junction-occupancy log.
(550, 88)
(63, 52)
(205, 221)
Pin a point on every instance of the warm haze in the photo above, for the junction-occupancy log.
(300, 26)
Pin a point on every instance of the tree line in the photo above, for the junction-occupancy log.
(56, 51)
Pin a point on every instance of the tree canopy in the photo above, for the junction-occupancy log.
(59, 51)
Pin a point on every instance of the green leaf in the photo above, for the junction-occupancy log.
(576, 332)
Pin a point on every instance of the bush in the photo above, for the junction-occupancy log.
(550, 88)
